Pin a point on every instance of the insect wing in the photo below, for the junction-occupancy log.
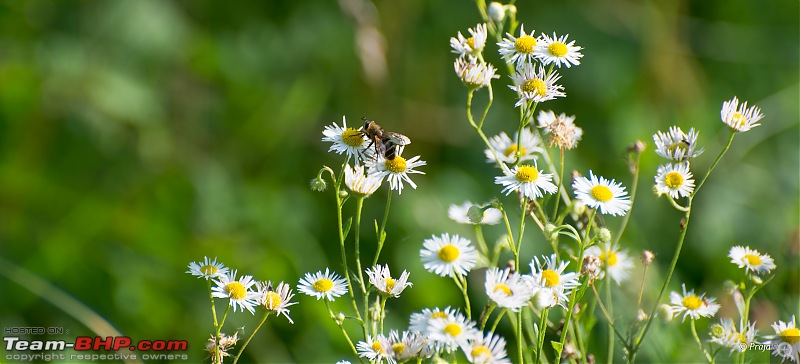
(397, 138)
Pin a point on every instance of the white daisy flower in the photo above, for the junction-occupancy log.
(238, 292)
(726, 334)
(599, 193)
(676, 145)
(395, 170)
(532, 84)
(328, 285)
(207, 269)
(448, 256)
(561, 130)
(557, 50)
(474, 74)
(452, 332)
(692, 305)
(528, 180)
(471, 46)
(615, 262)
(751, 260)
(358, 182)
(520, 50)
(506, 149)
(507, 289)
(461, 214)
(276, 300)
(347, 141)
(405, 346)
(674, 180)
(786, 341)
(550, 282)
(381, 278)
(420, 321)
(375, 349)
(489, 349)
(739, 117)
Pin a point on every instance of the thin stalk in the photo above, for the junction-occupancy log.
(222, 322)
(700, 343)
(520, 337)
(540, 339)
(634, 188)
(521, 231)
(344, 257)
(703, 181)
(241, 350)
(356, 233)
(344, 332)
(605, 313)
(481, 241)
(461, 283)
(497, 320)
(610, 324)
(561, 182)
(381, 233)
(213, 308)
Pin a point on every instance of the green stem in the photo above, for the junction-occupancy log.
(520, 337)
(461, 282)
(481, 241)
(382, 232)
(700, 343)
(634, 188)
(478, 129)
(560, 182)
(521, 231)
(610, 324)
(540, 339)
(213, 308)
(497, 320)
(224, 316)
(339, 323)
(574, 296)
(344, 257)
(359, 205)
(682, 237)
(239, 354)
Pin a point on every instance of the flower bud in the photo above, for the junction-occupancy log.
(647, 257)
(604, 235)
(578, 208)
(318, 185)
(641, 315)
(511, 10)
(716, 331)
(342, 193)
(665, 312)
(475, 214)
(339, 318)
(497, 11)
(756, 279)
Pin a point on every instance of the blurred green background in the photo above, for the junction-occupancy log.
(137, 136)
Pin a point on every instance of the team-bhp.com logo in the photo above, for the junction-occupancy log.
(123, 347)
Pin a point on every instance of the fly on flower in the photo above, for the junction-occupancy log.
(385, 142)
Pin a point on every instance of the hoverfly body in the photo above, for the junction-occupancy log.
(384, 141)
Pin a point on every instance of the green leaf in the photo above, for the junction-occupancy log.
(557, 347)
(346, 227)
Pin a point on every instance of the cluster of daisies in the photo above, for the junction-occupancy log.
(784, 343)
(674, 178)
(370, 168)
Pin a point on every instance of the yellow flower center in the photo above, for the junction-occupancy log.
(601, 193)
(752, 259)
(389, 284)
(396, 165)
(741, 338)
(208, 270)
(525, 44)
(738, 119)
(481, 351)
(471, 42)
(398, 348)
(323, 285)
(272, 301)
(790, 335)
(352, 137)
(438, 315)
(673, 179)
(536, 86)
(502, 287)
(692, 302)
(448, 253)
(452, 329)
(609, 257)
(377, 347)
(557, 49)
(236, 290)
(527, 174)
(551, 278)
(512, 150)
